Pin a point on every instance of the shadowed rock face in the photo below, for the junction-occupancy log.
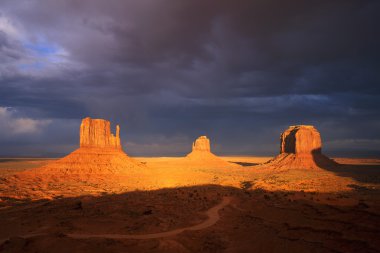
(300, 148)
(301, 139)
(202, 144)
(96, 133)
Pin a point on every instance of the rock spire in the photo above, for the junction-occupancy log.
(96, 133)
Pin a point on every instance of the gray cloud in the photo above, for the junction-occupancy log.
(168, 71)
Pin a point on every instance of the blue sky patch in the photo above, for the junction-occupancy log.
(42, 48)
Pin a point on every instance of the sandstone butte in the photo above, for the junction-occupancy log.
(96, 133)
(300, 147)
(99, 152)
(201, 153)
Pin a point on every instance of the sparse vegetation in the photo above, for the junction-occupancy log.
(246, 185)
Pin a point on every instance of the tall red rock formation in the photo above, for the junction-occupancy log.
(301, 148)
(99, 152)
(201, 155)
(96, 133)
(301, 139)
(202, 144)
(99, 164)
(201, 149)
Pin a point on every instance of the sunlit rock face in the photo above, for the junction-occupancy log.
(201, 150)
(201, 155)
(99, 152)
(96, 133)
(301, 139)
(300, 148)
(202, 144)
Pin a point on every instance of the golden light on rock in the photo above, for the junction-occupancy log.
(301, 148)
(96, 133)
(98, 192)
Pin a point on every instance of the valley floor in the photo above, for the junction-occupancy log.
(267, 211)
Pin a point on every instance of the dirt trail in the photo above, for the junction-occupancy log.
(212, 213)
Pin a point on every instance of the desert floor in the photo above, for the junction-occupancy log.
(176, 206)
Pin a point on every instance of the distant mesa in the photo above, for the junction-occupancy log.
(99, 152)
(201, 153)
(201, 144)
(201, 149)
(301, 147)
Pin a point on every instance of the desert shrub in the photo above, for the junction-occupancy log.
(246, 185)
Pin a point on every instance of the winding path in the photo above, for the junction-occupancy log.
(212, 213)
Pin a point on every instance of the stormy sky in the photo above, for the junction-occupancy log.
(169, 71)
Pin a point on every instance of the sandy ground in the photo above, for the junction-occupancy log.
(269, 211)
(9, 166)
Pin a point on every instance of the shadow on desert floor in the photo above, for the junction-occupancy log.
(361, 173)
(255, 220)
(245, 164)
(364, 173)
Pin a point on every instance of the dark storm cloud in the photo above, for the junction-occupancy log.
(168, 71)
